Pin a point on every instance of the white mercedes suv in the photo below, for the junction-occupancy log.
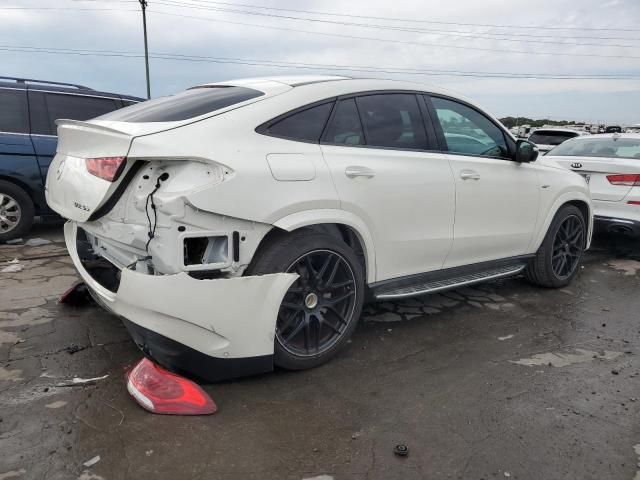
(238, 225)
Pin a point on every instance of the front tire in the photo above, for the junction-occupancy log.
(321, 309)
(558, 258)
(16, 211)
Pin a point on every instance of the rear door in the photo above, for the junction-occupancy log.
(497, 199)
(377, 148)
(17, 158)
(45, 107)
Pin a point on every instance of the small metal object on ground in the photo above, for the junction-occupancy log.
(401, 450)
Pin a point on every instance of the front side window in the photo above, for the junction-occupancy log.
(306, 125)
(392, 120)
(184, 105)
(599, 147)
(549, 137)
(467, 131)
(14, 114)
(345, 127)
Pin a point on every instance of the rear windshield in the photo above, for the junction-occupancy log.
(551, 138)
(184, 105)
(599, 147)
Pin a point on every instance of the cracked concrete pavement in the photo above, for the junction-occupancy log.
(495, 381)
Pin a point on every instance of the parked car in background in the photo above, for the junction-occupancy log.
(613, 129)
(610, 163)
(28, 111)
(547, 138)
(240, 224)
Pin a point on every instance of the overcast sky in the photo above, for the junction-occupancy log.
(603, 40)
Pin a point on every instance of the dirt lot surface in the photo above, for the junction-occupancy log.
(502, 380)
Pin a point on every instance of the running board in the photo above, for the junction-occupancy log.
(449, 283)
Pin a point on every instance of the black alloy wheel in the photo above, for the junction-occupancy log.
(317, 308)
(567, 247)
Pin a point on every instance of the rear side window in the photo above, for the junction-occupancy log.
(345, 127)
(392, 120)
(14, 114)
(467, 131)
(184, 105)
(306, 125)
(49, 107)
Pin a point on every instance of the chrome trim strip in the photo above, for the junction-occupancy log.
(74, 94)
(389, 296)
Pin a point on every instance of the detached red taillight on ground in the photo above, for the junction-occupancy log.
(160, 391)
(107, 168)
(627, 179)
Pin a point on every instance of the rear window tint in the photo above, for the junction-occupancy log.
(306, 125)
(599, 147)
(546, 137)
(184, 105)
(13, 111)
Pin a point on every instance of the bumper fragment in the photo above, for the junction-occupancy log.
(182, 321)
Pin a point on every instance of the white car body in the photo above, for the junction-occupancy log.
(602, 159)
(557, 134)
(410, 211)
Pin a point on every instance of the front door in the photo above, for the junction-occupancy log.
(497, 199)
(376, 149)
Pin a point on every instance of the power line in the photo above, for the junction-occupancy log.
(312, 66)
(413, 20)
(404, 42)
(472, 36)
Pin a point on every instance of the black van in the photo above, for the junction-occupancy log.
(28, 111)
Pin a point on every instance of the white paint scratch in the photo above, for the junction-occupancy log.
(58, 404)
(558, 359)
(507, 337)
(319, 477)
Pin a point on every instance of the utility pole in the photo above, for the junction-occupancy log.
(143, 4)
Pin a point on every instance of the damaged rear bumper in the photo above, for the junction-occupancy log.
(212, 329)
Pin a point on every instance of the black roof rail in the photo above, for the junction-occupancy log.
(45, 82)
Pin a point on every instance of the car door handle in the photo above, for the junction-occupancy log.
(356, 171)
(469, 175)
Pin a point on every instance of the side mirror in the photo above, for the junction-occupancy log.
(526, 151)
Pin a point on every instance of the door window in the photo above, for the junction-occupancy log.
(14, 115)
(49, 107)
(467, 131)
(345, 127)
(306, 125)
(392, 120)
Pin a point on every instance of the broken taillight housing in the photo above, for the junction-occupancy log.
(627, 179)
(161, 391)
(107, 168)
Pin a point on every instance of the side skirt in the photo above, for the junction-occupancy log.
(448, 278)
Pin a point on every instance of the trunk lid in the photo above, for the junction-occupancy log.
(597, 169)
(70, 189)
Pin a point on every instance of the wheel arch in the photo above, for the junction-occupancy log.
(27, 189)
(583, 203)
(343, 225)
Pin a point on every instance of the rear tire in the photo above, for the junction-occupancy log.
(558, 258)
(321, 309)
(16, 211)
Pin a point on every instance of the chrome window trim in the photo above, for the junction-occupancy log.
(74, 94)
(15, 133)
